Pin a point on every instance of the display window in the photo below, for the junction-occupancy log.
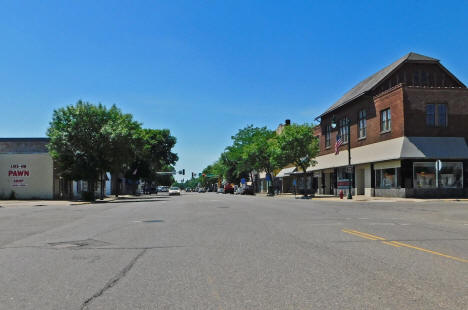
(387, 178)
(424, 175)
(428, 175)
(451, 175)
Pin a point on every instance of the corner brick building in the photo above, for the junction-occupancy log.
(408, 131)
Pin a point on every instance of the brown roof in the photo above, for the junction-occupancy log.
(373, 80)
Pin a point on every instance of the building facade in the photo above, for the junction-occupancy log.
(407, 131)
(27, 172)
(26, 169)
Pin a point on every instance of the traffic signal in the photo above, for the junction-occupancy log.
(183, 171)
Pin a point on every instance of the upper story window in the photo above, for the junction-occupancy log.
(327, 136)
(344, 130)
(362, 124)
(385, 120)
(436, 115)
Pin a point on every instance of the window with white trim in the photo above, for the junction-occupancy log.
(362, 124)
(327, 136)
(385, 120)
(344, 130)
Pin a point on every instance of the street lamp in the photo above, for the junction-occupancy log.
(348, 124)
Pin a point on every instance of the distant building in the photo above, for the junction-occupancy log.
(26, 169)
(27, 172)
(408, 134)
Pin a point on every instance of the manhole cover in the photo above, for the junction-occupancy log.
(78, 243)
(39, 205)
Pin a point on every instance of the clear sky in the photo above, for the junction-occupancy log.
(204, 69)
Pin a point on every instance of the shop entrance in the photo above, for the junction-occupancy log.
(360, 181)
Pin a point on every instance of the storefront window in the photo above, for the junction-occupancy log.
(451, 175)
(387, 178)
(424, 175)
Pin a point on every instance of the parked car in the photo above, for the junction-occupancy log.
(201, 190)
(228, 188)
(188, 189)
(174, 191)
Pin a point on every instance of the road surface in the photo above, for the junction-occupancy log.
(215, 251)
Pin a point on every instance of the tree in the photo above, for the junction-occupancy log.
(153, 153)
(87, 140)
(296, 145)
(260, 151)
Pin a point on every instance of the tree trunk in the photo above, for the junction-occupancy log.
(102, 186)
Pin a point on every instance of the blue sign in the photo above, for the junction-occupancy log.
(294, 182)
(268, 177)
(243, 180)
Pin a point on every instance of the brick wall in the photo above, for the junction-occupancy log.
(392, 99)
(416, 99)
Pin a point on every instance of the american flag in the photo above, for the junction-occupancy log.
(338, 143)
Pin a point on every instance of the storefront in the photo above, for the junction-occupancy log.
(401, 167)
(26, 169)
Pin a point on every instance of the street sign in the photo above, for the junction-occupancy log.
(294, 182)
(439, 165)
(243, 180)
(349, 169)
(268, 177)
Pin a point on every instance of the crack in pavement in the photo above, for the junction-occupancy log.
(93, 248)
(113, 281)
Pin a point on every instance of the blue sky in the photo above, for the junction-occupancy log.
(204, 69)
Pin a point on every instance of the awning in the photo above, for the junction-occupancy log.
(398, 148)
(285, 172)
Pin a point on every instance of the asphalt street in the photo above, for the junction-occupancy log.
(215, 251)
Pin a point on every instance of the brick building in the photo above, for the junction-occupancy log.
(408, 131)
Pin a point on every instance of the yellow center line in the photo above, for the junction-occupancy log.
(391, 243)
(359, 235)
(399, 244)
(432, 252)
(369, 235)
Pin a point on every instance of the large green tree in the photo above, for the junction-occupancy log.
(259, 152)
(153, 153)
(86, 140)
(297, 145)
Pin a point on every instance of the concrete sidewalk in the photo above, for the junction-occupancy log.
(13, 203)
(362, 198)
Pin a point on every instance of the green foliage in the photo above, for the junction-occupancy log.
(87, 140)
(296, 145)
(153, 153)
(259, 152)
